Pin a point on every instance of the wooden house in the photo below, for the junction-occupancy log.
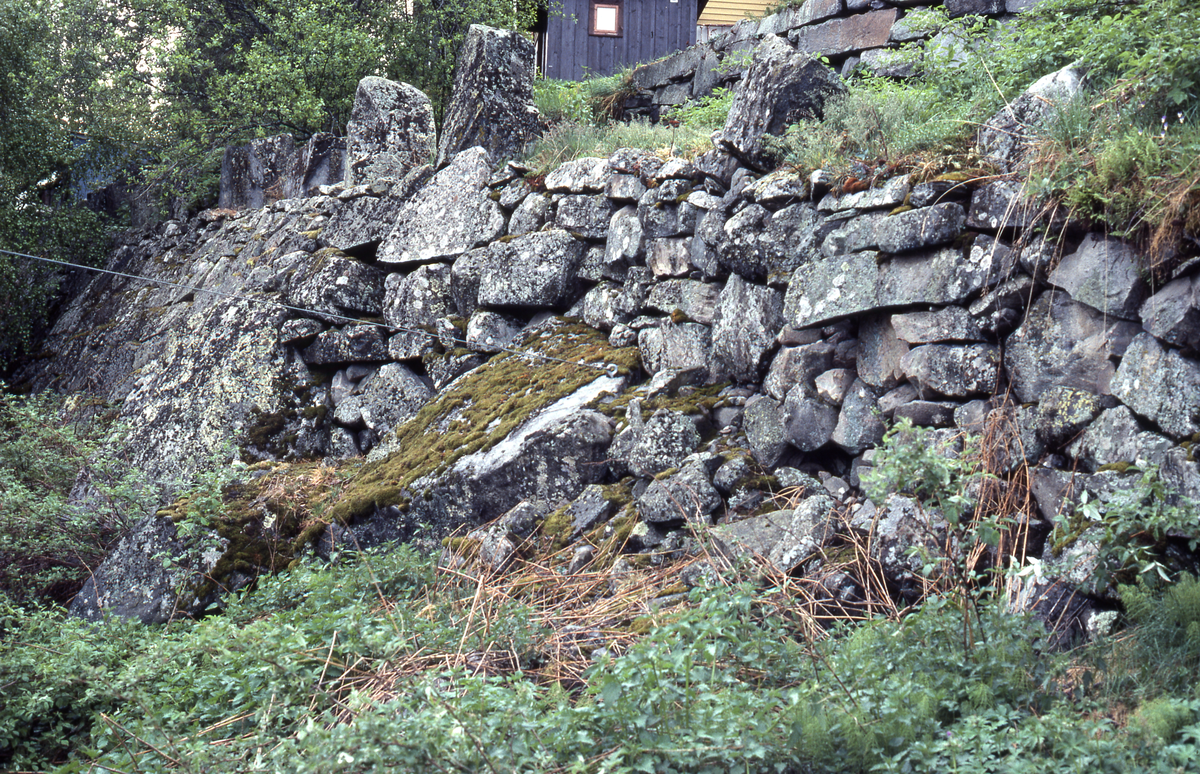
(599, 37)
(717, 16)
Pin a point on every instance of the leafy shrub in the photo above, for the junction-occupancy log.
(48, 540)
(706, 113)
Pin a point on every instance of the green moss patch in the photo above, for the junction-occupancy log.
(480, 410)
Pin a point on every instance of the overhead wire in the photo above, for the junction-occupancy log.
(609, 368)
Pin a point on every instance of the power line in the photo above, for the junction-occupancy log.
(609, 368)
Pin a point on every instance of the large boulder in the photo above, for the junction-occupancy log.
(134, 581)
(535, 270)
(1006, 137)
(747, 320)
(448, 217)
(1105, 274)
(491, 105)
(782, 87)
(390, 131)
(1160, 385)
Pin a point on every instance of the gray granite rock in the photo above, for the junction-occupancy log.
(448, 217)
(390, 133)
(1006, 137)
(1103, 273)
(1160, 385)
(352, 344)
(797, 365)
(680, 347)
(420, 298)
(781, 87)
(585, 216)
(1173, 314)
(663, 443)
(1063, 413)
(766, 431)
(859, 426)
(585, 175)
(536, 270)
(530, 215)
(687, 495)
(491, 332)
(809, 423)
(920, 228)
(697, 301)
(1117, 437)
(1064, 343)
(953, 323)
(491, 103)
(953, 370)
(747, 321)
(336, 283)
(787, 539)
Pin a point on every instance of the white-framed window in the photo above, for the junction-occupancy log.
(606, 18)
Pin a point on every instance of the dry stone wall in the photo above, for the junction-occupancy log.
(747, 334)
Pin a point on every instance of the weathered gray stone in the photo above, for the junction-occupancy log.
(624, 188)
(888, 62)
(1104, 274)
(669, 257)
(852, 235)
(786, 539)
(390, 397)
(663, 443)
(902, 524)
(784, 185)
(1173, 313)
(1064, 343)
(956, 8)
(530, 215)
(680, 347)
(1063, 413)
(889, 195)
(858, 426)
(744, 333)
(514, 193)
(1006, 137)
(338, 284)
(449, 216)
(917, 229)
(697, 301)
(926, 413)
(953, 370)
(1160, 385)
(419, 299)
(625, 244)
(590, 509)
(662, 214)
(602, 308)
(465, 273)
(781, 87)
(880, 352)
(1116, 437)
(490, 332)
(585, 216)
(586, 175)
(491, 105)
(535, 270)
(134, 582)
(849, 35)
(1000, 205)
(809, 422)
(824, 291)
(353, 344)
(761, 245)
(359, 225)
(950, 324)
(766, 433)
(797, 365)
(1013, 441)
(684, 496)
(833, 385)
(299, 332)
(390, 132)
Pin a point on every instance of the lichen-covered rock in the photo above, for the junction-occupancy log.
(134, 581)
(590, 509)
(744, 332)
(920, 228)
(787, 538)
(797, 365)
(586, 175)
(352, 344)
(419, 299)
(585, 216)
(1103, 273)
(695, 300)
(333, 282)
(766, 429)
(536, 270)
(602, 307)
(952, 323)
(491, 104)
(1063, 413)
(809, 422)
(1064, 343)
(490, 332)
(781, 87)
(453, 213)
(1001, 205)
(1005, 138)
(665, 212)
(669, 257)
(1117, 437)
(953, 370)
(393, 395)
(1160, 385)
(858, 425)
(760, 245)
(687, 495)
(254, 174)
(359, 225)
(1173, 314)
(679, 347)
(390, 131)
(530, 215)
(663, 443)
(625, 243)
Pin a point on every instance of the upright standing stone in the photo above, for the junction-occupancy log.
(781, 87)
(492, 102)
(390, 131)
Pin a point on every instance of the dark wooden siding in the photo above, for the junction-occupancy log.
(650, 29)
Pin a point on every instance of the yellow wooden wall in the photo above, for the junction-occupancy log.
(723, 12)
